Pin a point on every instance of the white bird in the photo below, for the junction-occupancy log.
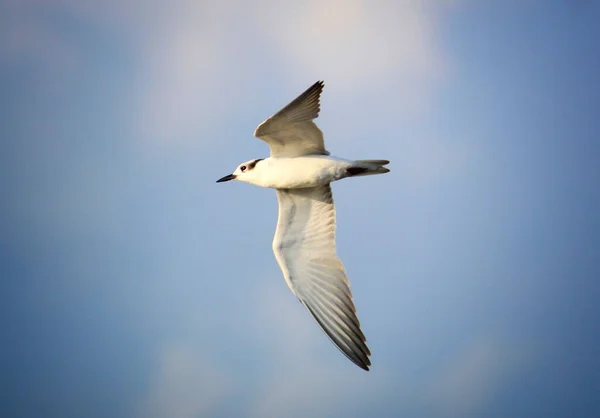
(300, 169)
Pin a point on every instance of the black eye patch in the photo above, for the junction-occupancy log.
(243, 168)
(253, 163)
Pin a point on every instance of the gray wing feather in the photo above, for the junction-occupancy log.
(291, 132)
(304, 247)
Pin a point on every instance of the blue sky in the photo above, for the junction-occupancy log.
(132, 285)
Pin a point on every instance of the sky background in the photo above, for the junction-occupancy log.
(132, 285)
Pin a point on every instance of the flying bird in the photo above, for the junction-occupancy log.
(300, 169)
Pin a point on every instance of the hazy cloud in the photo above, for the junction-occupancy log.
(468, 381)
(181, 47)
(358, 43)
(299, 348)
(185, 384)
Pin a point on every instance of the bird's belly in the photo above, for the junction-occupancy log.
(296, 173)
(291, 180)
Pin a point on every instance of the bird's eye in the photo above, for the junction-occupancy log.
(243, 168)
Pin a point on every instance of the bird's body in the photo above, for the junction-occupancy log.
(301, 170)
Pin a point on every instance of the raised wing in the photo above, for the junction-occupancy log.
(291, 131)
(304, 246)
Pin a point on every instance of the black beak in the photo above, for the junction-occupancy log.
(226, 178)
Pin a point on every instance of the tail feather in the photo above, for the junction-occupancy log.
(376, 162)
(368, 167)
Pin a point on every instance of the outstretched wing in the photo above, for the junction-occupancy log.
(291, 132)
(304, 246)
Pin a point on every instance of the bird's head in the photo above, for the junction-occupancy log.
(244, 172)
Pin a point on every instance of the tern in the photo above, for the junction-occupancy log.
(300, 169)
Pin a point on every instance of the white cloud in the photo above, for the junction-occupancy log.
(194, 60)
(297, 363)
(181, 60)
(468, 381)
(358, 43)
(185, 384)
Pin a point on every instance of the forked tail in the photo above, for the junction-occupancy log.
(368, 167)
